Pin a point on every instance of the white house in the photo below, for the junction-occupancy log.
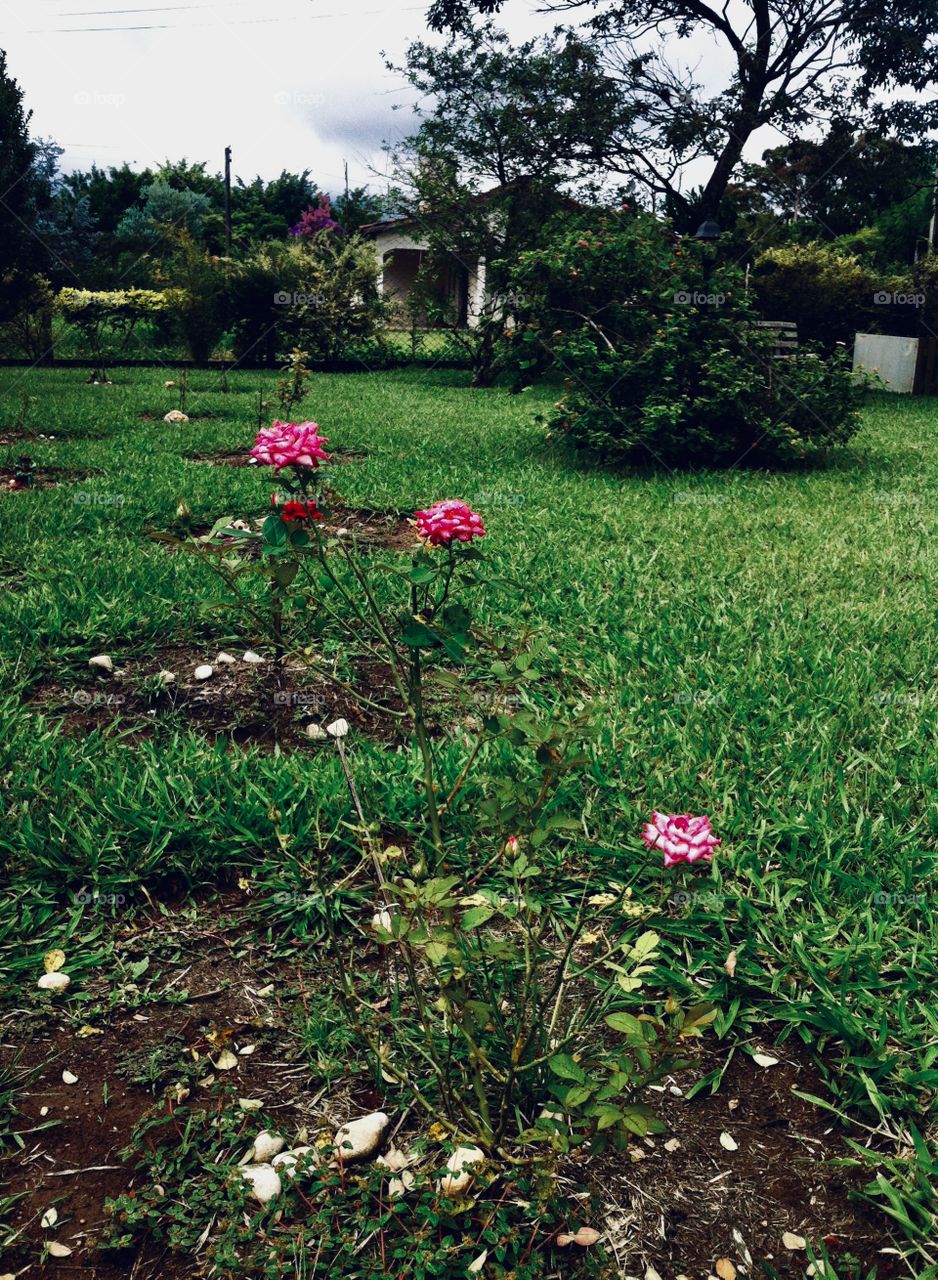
(400, 248)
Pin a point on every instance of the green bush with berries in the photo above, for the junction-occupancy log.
(662, 355)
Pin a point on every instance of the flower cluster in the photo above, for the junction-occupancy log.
(680, 837)
(447, 522)
(292, 512)
(290, 444)
(312, 221)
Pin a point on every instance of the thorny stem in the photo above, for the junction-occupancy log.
(423, 740)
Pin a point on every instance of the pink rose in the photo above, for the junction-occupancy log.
(449, 521)
(680, 837)
(290, 444)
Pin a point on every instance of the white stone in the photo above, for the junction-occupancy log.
(266, 1146)
(251, 656)
(174, 416)
(102, 661)
(205, 672)
(361, 1138)
(287, 1161)
(225, 660)
(265, 1181)
(398, 1187)
(793, 1241)
(316, 732)
(54, 982)
(394, 1160)
(285, 1164)
(460, 1167)
(338, 728)
(166, 677)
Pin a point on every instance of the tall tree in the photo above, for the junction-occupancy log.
(843, 182)
(21, 252)
(507, 129)
(544, 111)
(793, 64)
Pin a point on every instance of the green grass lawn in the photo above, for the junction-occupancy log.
(758, 647)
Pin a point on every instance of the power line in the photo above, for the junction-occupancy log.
(166, 8)
(241, 22)
(113, 13)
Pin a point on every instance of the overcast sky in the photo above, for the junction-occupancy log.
(290, 84)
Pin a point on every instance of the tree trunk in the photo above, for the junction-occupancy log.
(740, 132)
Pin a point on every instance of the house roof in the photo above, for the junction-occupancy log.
(404, 220)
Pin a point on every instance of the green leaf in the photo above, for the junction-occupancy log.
(285, 572)
(563, 1066)
(476, 916)
(641, 1120)
(418, 635)
(274, 531)
(607, 1117)
(436, 952)
(626, 1023)
(577, 1094)
(422, 574)
(645, 944)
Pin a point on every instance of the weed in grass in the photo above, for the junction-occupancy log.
(331, 1221)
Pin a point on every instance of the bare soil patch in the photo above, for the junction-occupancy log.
(242, 457)
(241, 701)
(194, 415)
(139, 1051)
(23, 474)
(677, 1210)
(681, 1210)
(10, 437)
(378, 528)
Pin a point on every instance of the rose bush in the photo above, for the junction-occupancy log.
(503, 1035)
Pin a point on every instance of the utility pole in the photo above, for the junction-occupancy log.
(933, 225)
(228, 202)
(345, 163)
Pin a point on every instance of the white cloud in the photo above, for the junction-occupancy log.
(290, 84)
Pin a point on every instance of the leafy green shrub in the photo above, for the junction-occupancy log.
(27, 319)
(663, 356)
(829, 293)
(261, 287)
(116, 311)
(196, 296)
(339, 303)
(319, 294)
